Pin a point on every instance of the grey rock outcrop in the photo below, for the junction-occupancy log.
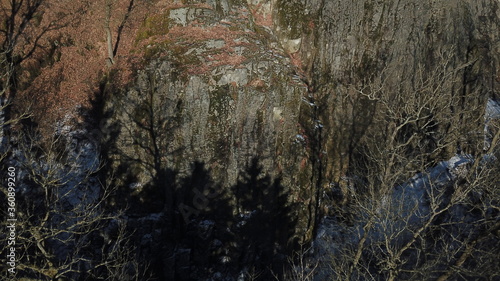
(283, 81)
(221, 93)
(347, 46)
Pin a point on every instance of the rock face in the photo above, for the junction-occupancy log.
(222, 94)
(215, 111)
(226, 83)
(350, 48)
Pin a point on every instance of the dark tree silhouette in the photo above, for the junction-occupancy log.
(264, 222)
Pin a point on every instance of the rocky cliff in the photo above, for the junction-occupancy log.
(216, 88)
(251, 139)
(348, 46)
(299, 87)
(214, 117)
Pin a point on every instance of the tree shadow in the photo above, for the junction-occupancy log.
(264, 222)
(205, 227)
(215, 231)
(135, 130)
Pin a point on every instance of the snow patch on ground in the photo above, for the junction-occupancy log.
(492, 110)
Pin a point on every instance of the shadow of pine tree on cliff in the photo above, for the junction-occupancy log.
(264, 223)
(208, 227)
(202, 241)
(246, 229)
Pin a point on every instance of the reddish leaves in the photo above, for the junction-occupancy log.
(197, 48)
(65, 71)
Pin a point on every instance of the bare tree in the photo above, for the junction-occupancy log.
(64, 231)
(23, 31)
(301, 268)
(113, 49)
(424, 194)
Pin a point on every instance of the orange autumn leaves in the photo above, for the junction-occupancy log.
(65, 71)
(198, 46)
(69, 60)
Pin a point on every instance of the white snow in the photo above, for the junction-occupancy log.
(492, 110)
(300, 139)
(312, 104)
